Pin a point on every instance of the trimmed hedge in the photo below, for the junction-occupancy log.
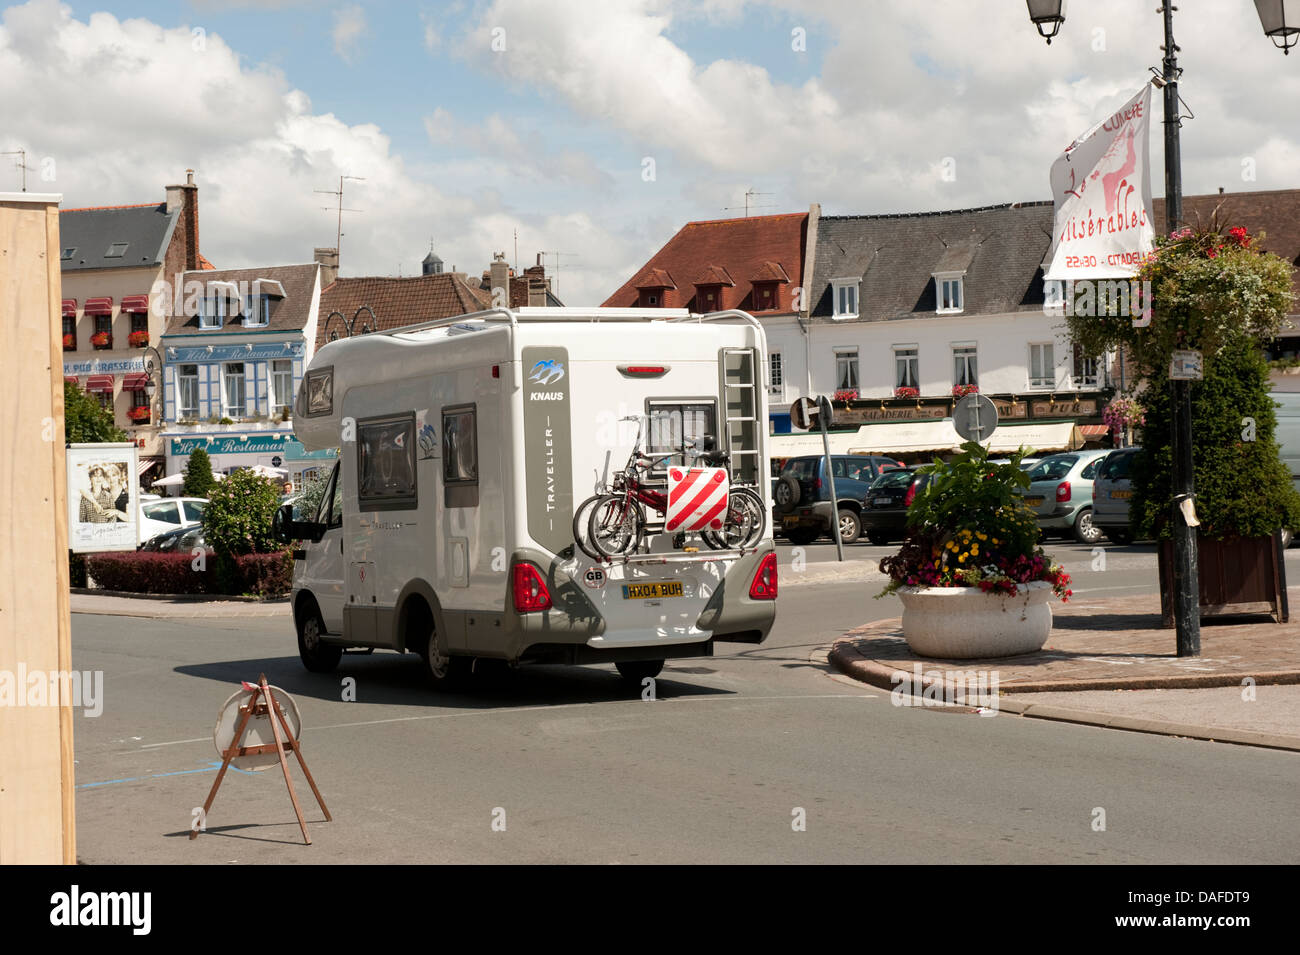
(144, 572)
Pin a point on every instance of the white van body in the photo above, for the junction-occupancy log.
(514, 419)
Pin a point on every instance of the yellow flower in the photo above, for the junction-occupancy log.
(982, 536)
(961, 559)
(974, 549)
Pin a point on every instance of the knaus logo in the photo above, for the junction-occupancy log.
(547, 372)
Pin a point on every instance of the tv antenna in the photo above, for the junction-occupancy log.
(22, 163)
(749, 195)
(338, 239)
(556, 283)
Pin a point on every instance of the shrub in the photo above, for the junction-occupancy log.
(198, 475)
(265, 575)
(76, 570)
(238, 517)
(84, 420)
(145, 572)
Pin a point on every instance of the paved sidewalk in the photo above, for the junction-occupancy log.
(169, 608)
(1098, 647)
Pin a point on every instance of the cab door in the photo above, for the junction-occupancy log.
(323, 571)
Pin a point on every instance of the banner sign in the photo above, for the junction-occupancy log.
(103, 366)
(1101, 185)
(103, 497)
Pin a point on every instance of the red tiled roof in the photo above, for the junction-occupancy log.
(131, 205)
(736, 247)
(400, 301)
(714, 275)
(204, 264)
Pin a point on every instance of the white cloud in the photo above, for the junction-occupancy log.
(349, 28)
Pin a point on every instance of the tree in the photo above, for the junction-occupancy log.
(237, 519)
(84, 421)
(198, 475)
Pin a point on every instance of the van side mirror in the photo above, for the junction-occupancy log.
(285, 529)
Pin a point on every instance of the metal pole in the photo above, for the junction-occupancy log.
(835, 501)
(1187, 611)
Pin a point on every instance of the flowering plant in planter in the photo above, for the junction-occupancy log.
(102, 339)
(846, 394)
(961, 391)
(69, 342)
(903, 391)
(138, 339)
(971, 527)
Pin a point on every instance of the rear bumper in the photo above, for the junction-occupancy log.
(813, 516)
(895, 521)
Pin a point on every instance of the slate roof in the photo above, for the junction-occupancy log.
(401, 301)
(741, 248)
(1000, 248)
(291, 313)
(90, 232)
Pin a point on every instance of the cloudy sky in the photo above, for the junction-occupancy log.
(596, 128)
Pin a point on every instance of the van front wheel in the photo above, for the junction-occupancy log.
(317, 656)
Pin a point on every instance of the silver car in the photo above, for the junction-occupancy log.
(1060, 493)
(1111, 492)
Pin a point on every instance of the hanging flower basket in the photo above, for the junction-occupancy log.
(69, 342)
(138, 339)
(139, 415)
(961, 391)
(102, 339)
(906, 392)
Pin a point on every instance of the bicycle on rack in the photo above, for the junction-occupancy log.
(613, 522)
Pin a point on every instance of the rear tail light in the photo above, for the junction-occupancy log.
(1062, 492)
(763, 586)
(911, 495)
(817, 485)
(530, 591)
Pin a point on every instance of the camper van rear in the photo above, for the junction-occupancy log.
(467, 449)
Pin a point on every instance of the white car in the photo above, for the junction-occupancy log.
(167, 514)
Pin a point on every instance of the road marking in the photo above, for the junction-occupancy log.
(212, 767)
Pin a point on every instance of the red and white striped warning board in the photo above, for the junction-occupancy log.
(697, 498)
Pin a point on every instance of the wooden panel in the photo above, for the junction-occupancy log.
(37, 821)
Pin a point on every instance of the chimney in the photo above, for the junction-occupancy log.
(185, 197)
(499, 278)
(329, 265)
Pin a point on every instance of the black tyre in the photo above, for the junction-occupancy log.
(1120, 535)
(582, 527)
(801, 535)
(744, 522)
(1085, 531)
(787, 493)
(634, 671)
(877, 538)
(445, 672)
(317, 656)
(850, 526)
(616, 526)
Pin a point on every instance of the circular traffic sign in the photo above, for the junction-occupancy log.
(975, 417)
(258, 731)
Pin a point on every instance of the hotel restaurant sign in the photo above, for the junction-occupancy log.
(885, 411)
(252, 444)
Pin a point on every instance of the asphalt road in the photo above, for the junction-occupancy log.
(572, 766)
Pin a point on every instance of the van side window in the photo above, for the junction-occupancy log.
(386, 463)
(460, 456)
(336, 500)
(322, 513)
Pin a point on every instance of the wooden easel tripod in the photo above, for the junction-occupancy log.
(263, 703)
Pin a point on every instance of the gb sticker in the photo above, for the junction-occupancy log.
(594, 578)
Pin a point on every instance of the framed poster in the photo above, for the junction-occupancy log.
(103, 497)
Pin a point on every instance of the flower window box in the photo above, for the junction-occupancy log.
(102, 339)
(138, 339)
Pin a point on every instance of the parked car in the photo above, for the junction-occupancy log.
(169, 513)
(182, 540)
(884, 512)
(1060, 493)
(1027, 464)
(1112, 490)
(803, 494)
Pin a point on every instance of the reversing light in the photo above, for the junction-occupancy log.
(763, 586)
(530, 593)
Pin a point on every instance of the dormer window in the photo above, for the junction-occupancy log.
(765, 296)
(116, 250)
(845, 295)
(257, 311)
(709, 298)
(950, 296)
(1053, 294)
(212, 310)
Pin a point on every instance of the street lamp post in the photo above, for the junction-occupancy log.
(1280, 20)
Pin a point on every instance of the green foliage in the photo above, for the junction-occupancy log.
(1209, 287)
(198, 475)
(84, 421)
(1243, 489)
(238, 517)
(308, 501)
(970, 494)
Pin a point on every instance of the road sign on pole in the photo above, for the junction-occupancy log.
(801, 413)
(975, 417)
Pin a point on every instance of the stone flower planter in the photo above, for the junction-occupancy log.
(964, 622)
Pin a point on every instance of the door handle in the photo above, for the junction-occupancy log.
(340, 544)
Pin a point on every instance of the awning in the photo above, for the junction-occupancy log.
(69, 308)
(99, 306)
(921, 436)
(1093, 432)
(135, 303)
(1057, 436)
(71, 379)
(100, 383)
(135, 381)
(145, 465)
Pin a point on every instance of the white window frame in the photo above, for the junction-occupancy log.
(281, 401)
(913, 359)
(849, 356)
(850, 286)
(1085, 381)
(184, 412)
(212, 309)
(942, 279)
(970, 351)
(1054, 294)
(776, 375)
(1046, 379)
(226, 376)
(257, 311)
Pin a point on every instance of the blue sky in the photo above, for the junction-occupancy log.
(550, 136)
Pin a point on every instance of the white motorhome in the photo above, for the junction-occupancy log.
(467, 444)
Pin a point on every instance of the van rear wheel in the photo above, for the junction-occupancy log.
(317, 656)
